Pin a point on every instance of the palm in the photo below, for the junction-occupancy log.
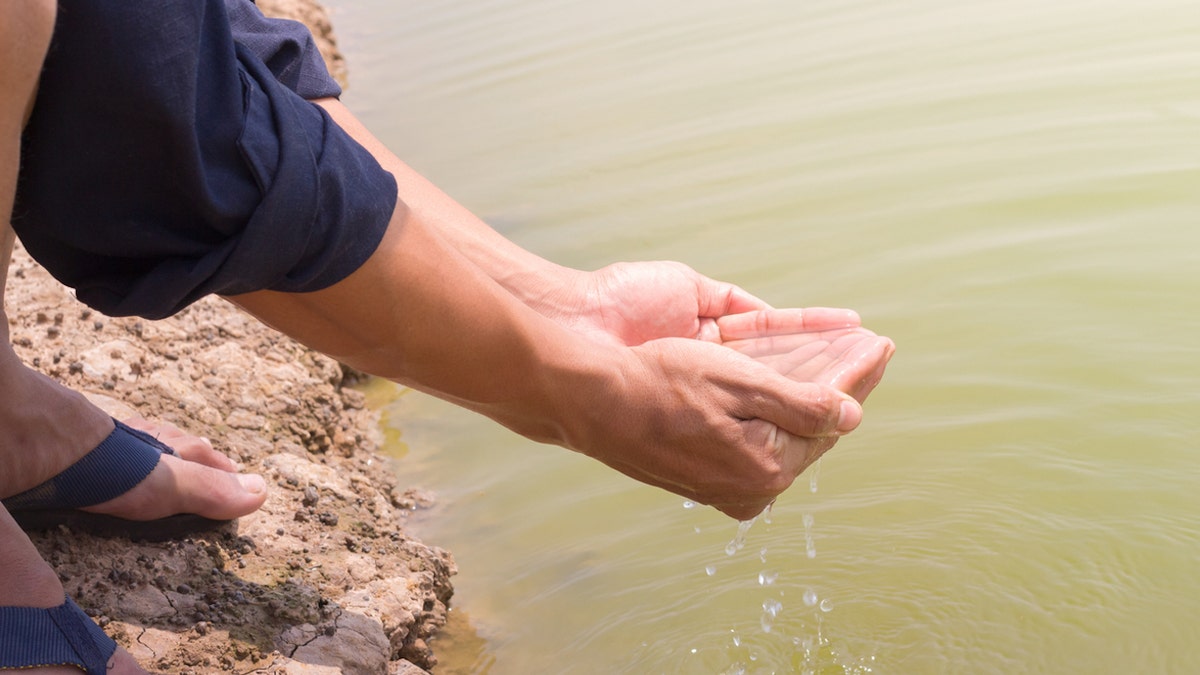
(633, 303)
(849, 359)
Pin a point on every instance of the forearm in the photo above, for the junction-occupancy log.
(419, 313)
(524, 274)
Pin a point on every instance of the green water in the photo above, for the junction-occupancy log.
(1010, 190)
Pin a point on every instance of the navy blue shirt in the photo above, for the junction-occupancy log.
(172, 153)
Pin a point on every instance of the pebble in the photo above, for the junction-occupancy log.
(310, 496)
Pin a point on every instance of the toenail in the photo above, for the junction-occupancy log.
(252, 483)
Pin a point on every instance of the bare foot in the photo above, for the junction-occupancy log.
(200, 481)
(50, 427)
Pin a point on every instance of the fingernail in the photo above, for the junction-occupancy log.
(850, 416)
(252, 483)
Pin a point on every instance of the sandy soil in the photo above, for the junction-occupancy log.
(324, 578)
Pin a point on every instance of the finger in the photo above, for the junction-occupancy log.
(709, 332)
(770, 322)
(718, 298)
(843, 353)
(797, 453)
(866, 385)
(784, 345)
(859, 368)
(806, 357)
(805, 409)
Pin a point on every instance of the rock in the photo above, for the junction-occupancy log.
(404, 667)
(357, 645)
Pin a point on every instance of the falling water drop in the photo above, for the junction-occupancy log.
(810, 546)
(771, 610)
(739, 541)
(826, 605)
(810, 597)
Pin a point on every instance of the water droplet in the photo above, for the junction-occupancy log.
(766, 578)
(812, 478)
(689, 504)
(696, 529)
(694, 650)
(710, 570)
(771, 609)
(810, 597)
(739, 540)
(810, 547)
(826, 605)
(762, 555)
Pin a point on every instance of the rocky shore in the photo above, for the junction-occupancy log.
(323, 579)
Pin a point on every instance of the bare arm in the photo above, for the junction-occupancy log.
(434, 308)
(626, 303)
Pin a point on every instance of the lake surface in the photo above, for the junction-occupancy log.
(1010, 190)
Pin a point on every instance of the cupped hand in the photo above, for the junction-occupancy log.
(629, 303)
(731, 427)
(807, 345)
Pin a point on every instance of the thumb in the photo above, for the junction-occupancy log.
(719, 298)
(804, 409)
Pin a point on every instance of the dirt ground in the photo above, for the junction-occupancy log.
(323, 579)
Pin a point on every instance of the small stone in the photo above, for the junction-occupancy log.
(311, 497)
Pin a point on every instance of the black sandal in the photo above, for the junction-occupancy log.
(32, 637)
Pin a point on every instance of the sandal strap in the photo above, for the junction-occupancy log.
(113, 468)
(31, 637)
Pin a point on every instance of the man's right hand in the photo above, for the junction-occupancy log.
(732, 426)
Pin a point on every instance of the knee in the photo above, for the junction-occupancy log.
(28, 25)
(25, 31)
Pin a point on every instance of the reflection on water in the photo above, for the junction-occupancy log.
(1008, 189)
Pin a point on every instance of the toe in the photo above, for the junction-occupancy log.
(190, 447)
(180, 486)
